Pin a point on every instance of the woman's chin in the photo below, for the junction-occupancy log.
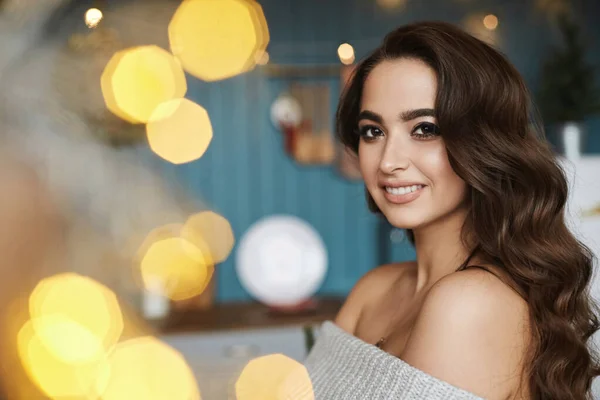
(403, 222)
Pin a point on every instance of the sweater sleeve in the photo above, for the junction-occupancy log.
(343, 367)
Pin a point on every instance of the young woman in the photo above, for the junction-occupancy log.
(496, 304)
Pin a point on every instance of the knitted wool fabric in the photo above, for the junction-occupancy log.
(343, 367)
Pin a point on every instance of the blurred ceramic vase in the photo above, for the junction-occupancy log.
(570, 139)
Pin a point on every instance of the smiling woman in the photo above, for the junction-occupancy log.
(496, 304)
(397, 128)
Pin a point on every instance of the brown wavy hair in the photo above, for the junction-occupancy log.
(517, 192)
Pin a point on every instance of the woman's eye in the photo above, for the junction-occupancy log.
(369, 132)
(426, 130)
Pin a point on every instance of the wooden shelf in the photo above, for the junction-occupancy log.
(240, 316)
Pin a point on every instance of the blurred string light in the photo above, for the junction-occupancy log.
(182, 269)
(346, 54)
(214, 230)
(93, 16)
(218, 39)
(273, 377)
(179, 131)
(177, 261)
(70, 348)
(137, 80)
(145, 368)
(490, 22)
(483, 27)
(56, 377)
(75, 321)
(212, 40)
(92, 307)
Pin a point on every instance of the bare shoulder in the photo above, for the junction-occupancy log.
(478, 289)
(367, 290)
(472, 331)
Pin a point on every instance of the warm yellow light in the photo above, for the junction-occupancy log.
(260, 26)
(346, 53)
(145, 368)
(54, 376)
(68, 340)
(93, 16)
(181, 268)
(475, 24)
(490, 22)
(163, 232)
(179, 131)
(214, 231)
(218, 39)
(81, 305)
(137, 80)
(274, 377)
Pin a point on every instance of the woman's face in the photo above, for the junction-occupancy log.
(402, 155)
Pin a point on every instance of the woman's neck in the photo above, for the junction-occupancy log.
(440, 250)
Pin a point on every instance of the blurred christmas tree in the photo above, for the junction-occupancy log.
(568, 90)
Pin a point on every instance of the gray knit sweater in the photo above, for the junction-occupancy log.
(343, 367)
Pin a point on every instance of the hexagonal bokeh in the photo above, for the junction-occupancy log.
(174, 264)
(146, 368)
(56, 377)
(218, 39)
(74, 323)
(211, 230)
(262, 28)
(135, 81)
(181, 269)
(274, 376)
(179, 131)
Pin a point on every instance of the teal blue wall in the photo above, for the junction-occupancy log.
(245, 174)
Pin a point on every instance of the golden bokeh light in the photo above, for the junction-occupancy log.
(93, 16)
(214, 231)
(261, 26)
(137, 80)
(67, 340)
(167, 231)
(475, 24)
(145, 368)
(218, 39)
(274, 377)
(346, 53)
(490, 22)
(179, 131)
(55, 377)
(76, 304)
(182, 269)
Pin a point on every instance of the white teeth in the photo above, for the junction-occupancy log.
(403, 190)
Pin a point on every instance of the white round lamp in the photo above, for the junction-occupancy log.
(281, 261)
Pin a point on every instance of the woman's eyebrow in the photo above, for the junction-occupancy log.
(405, 116)
(409, 115)
(370, 115)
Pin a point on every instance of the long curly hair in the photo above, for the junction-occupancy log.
(517, 193)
